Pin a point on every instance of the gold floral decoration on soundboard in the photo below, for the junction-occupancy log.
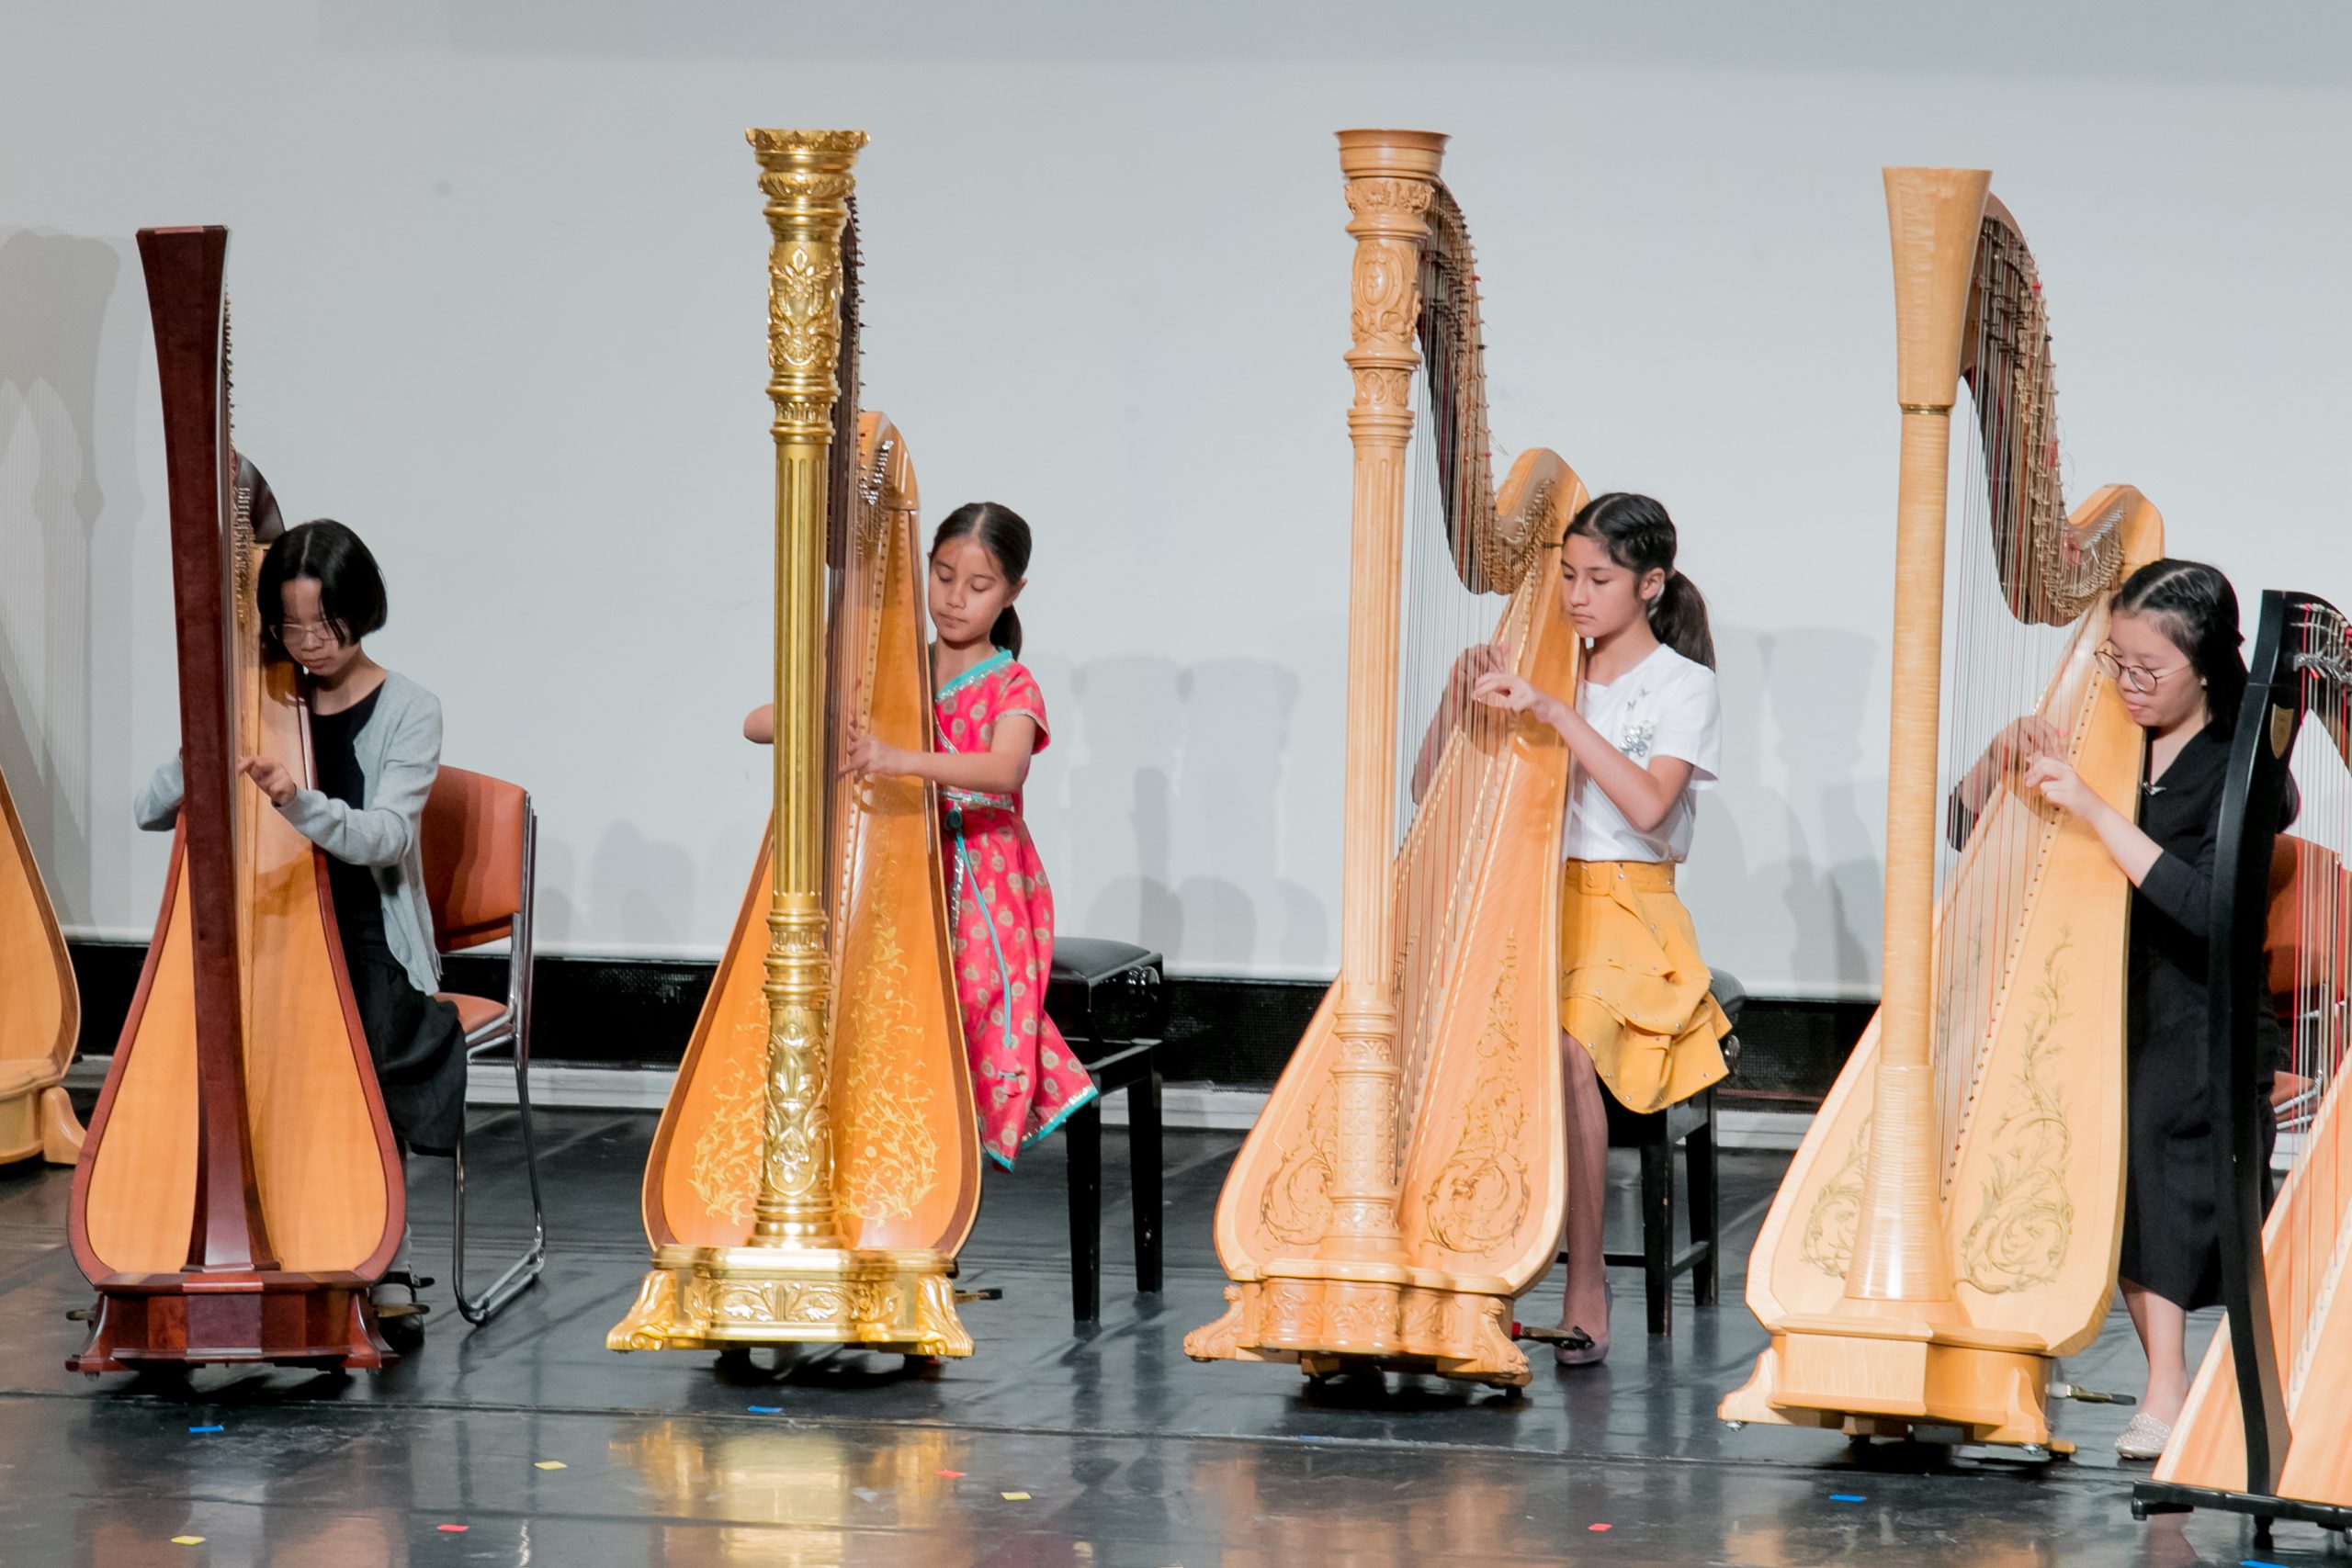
(889, 1153)
(2026, 1219)
(1837, 1212)
(724, 1169)
(1479, 1197)
(1297, 1206)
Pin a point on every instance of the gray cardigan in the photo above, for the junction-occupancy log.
(400, 755)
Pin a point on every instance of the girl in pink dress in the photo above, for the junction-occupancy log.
(989, 720)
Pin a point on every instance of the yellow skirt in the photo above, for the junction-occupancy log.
(1633, 988)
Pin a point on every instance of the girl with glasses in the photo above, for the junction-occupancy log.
(2172, 653)
(376, 745)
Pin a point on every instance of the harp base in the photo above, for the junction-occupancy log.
(193, 1320)
(713, 1298)
(39, 1123)
(1885, 1378)
(1329, 1325)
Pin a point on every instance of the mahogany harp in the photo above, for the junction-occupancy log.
(814, 1184)
(40, 1009)
(2262, 1430)
(1406, 1182)
(240, 1190)
(1951, 1224)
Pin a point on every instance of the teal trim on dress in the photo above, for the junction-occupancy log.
(1076, 1104)
(985, 666)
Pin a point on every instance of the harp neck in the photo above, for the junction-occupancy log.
(1933, 219)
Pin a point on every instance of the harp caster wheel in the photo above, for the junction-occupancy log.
(1734, 1426)
(2033, 1454)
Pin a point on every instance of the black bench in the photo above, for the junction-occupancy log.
(1087, 973)
(1692, 1124)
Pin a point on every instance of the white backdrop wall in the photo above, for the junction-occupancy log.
(498, 274)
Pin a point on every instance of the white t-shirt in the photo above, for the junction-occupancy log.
(1664, 707)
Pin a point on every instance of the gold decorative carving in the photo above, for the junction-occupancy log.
(723, 1170)
(1830, 1226)
(1479, 1197)
(1297, 1206)
(2025, 1219)
(888, 1155)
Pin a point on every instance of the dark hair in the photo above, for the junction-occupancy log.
(2199, 612)
(351, 590)
(1639, 536)
(1003, 534)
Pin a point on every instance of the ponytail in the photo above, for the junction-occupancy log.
(1006, 633)
(1003, 534)
(1639, 536)
(1678, 619)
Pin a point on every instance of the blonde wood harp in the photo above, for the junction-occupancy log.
(1404, 1182)
(1950, 1226)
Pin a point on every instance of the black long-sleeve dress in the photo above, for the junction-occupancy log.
(2174, 1134)
(416, 1041)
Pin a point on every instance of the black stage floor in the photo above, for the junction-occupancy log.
(1127, 1452)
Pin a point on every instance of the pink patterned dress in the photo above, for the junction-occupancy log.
(1023, 1075)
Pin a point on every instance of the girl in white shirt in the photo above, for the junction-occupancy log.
(1645, 734)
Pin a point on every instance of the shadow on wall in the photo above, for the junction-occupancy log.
(1186, 764)
(55, 290)
(1807, 692)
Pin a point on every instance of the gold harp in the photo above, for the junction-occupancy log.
(240, 1190)
(1950, 1223)
(40, 1009)
(2262, 1430)
(1404, 1182)
(818, 1165)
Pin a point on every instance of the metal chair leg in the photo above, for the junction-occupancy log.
(526, 1268)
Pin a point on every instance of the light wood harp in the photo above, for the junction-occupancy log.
(40, 1009)
(818, 1165)
(1404, 1183)
(1950, 1223)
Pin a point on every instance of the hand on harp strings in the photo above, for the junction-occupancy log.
(270, 776)
(1472, 667)
(864, 757)
(2021, 744)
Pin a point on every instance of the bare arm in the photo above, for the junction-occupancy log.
(1647, 794)
(1000, 770)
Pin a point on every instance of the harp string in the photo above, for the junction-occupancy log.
(2313, 1009)
(1449, 747)
(2018, 587)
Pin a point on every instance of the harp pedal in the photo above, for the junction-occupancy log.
(2088, 1395)
(81, 1314)
(985, 1293)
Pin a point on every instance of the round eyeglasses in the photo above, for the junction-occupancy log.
(2137, 679)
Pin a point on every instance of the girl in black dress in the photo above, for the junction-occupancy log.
(2172, 650)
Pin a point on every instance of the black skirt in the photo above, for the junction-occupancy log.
(419, 1049)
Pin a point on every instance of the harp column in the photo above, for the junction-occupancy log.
(1389, 189)
(1900, 1252)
